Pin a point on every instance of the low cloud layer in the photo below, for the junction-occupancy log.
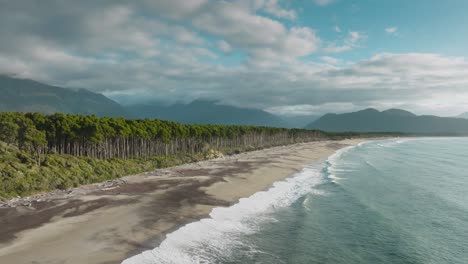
(246, 53)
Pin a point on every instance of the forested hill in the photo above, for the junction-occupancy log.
(20, 95)
(106, 138)
(206, 112)
(46, 152)
(393, 120)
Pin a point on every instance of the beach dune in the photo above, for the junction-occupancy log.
(107, 223)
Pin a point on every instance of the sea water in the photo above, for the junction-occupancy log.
(390, 201)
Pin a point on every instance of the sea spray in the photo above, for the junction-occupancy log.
(213, 239)
(332, 163)
(392, 201)
(398, 201)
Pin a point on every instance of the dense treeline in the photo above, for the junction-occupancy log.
(20, 175)
(106, 138)
(32, 147)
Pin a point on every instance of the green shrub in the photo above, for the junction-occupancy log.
(20, 175)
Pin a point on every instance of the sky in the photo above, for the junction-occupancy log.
(288, 57)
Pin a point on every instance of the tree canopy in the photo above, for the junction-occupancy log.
(128, 138)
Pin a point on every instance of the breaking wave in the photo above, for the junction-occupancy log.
(214, 239)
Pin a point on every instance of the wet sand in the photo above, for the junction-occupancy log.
(108, 223)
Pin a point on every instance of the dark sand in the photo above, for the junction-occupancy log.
(108, 223)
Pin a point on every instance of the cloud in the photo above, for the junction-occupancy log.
(354, 37)
(174, 9)
(185, 36)
(239, 25)
(125, 29)
(351, 42)
(168, 50)
(391, 30)
(336, 49)
(382, 81)
(301, 41)
(311, 110)
(272, 7)
(224, 46)
(337, 29)
(330, 60)
(261, 37)
(323, 2)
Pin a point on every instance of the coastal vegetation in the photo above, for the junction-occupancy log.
(106, 138)
(58, 151)
(20, 175)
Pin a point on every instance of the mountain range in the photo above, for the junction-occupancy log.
(24, 95)
(392, 120)
(206, 112)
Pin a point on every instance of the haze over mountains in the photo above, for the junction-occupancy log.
(31, 96)
(392, 120)
(204, 112)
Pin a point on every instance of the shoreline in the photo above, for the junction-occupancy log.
(109, 224)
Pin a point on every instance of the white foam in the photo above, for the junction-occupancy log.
(388, 143)
(332, 163)
(334, 167)
(215, 238)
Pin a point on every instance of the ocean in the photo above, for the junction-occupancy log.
(390, 201)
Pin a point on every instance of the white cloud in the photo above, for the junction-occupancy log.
(182, 35)
(323, 2)
(114, 48)
(336, 49)
(115, 28)
(351, 42)
(224, 46)
(330, 60)
(308, 110)
(261, 37)
(391, 30)
(239, 25)
(272, 7)
(354, 37)
(301, 41)
(176, 9)
(337, 29)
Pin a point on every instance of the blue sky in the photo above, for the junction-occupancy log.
(425, 26)
(301, 57)
(422, 26)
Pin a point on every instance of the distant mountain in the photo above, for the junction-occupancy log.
(398, 112)
(23, 95)
(298, 121)
(392, 120)
(206, 112)
(464, 115)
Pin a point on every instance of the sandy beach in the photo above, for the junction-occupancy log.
(107, 223)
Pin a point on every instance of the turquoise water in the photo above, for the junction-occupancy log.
(393, 201)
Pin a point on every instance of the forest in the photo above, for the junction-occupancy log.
(106, 138)
(46, 152)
